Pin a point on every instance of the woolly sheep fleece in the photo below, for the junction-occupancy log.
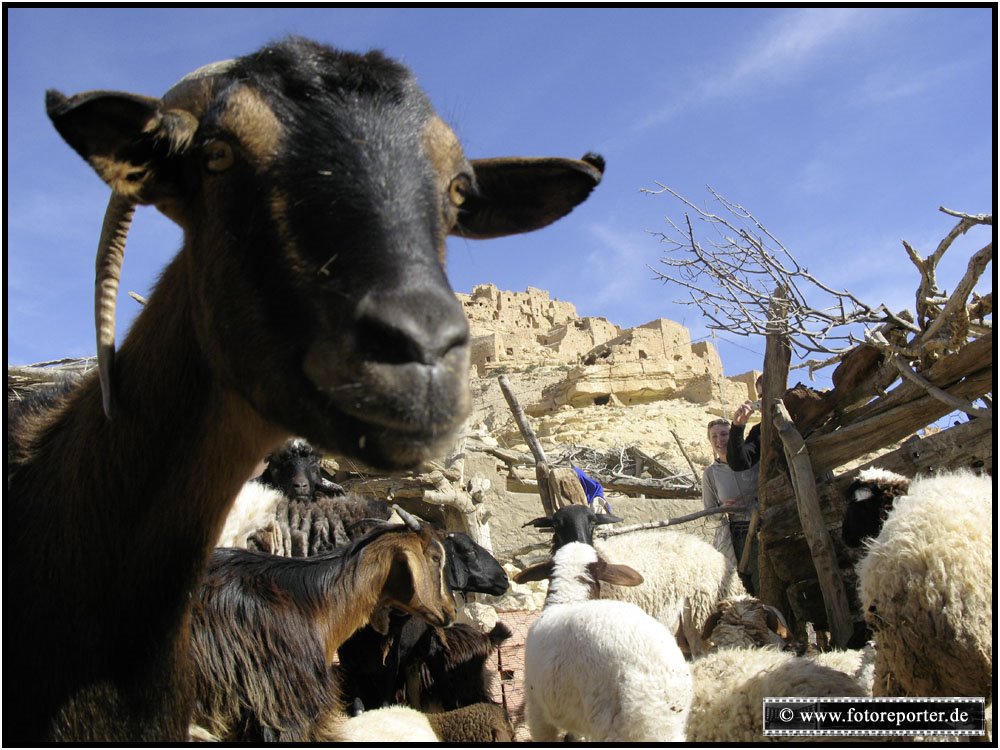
(391, 724)
(731, 684)
(685, 577)
(926, 585)
(604, 670)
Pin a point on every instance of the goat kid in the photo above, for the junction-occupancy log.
(315, 189)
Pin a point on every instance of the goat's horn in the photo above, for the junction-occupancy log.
(110, 253)
(409, 520)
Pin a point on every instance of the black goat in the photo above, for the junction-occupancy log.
(445, 668)
(265, 628)
(315, 189)
(295, 471)
(374, 664)
(869, 500)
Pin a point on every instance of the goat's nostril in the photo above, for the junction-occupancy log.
(414, 327)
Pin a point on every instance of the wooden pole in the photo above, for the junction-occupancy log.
(541, 462)
(694, 471)
(838, 613)
(606, 531)
(777, 356)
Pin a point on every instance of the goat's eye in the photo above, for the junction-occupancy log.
(218, 156)
(459, 190)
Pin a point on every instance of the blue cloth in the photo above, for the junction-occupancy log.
(591, 488)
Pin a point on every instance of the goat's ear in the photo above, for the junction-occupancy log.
(620, 575)
(118, 134)
(516, 195)
(457, 576)
(544, 522)
(537, 572)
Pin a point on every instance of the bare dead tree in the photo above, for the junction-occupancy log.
(731, 277)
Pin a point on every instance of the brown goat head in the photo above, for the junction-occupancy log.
(316, 189)
(416, 582)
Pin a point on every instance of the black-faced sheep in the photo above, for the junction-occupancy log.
(313, 186)
(603, 670)
(869, 500)
(265, 628)
(685, 577)
(926, 588)
(295, 471)
(302, 528)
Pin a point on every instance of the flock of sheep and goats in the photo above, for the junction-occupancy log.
(153, 594)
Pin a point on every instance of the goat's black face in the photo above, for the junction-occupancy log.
(469, 567)
(316, 189)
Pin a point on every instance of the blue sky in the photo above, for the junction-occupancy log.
(841, 129)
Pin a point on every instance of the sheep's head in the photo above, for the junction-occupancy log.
(575, 573)
(869, 499)
(572, 523)
(294, 469)
(316, 189)
(746, 622)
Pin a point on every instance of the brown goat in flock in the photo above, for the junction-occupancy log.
(266, 628)
(315, 189)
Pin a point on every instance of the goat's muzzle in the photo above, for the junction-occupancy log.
(396, 414)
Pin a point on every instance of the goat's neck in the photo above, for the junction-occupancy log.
(149, 489)
(355, 595)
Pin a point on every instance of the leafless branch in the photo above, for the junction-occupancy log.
(730, 275)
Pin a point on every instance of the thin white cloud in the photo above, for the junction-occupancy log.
(779, 51)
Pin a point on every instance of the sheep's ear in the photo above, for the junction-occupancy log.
(606, 518)
(710, 623)
(538, 572)
(620, 575)
(776, 622)
(516, 195)
(120, 135)
(543, 522)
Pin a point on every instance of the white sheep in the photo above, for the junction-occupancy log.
(604, 670)
(745, 622)
(253, 509)
(730, 685)
(858, 664)
(685, 577)
(476, 723)
(926, 587)
(389, 724)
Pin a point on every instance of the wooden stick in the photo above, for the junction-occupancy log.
(831, 583)
(541, 463)
(694, 471)
(606, 531)
(744, 564)
(943, 396)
